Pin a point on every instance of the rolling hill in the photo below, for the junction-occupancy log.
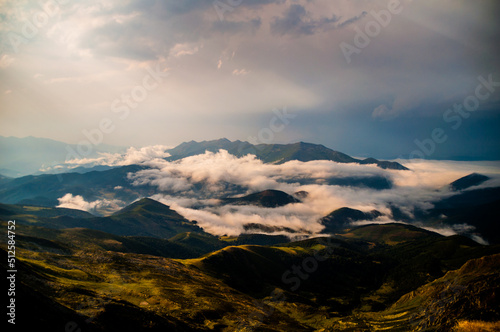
(47, 188)
(105, 282)
(145, 217)
(341, 219)
(467, 294)
(390, 234)
(267, 198)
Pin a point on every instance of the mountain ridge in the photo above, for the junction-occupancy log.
(274, 153)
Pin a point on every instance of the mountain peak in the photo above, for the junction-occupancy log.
(468, 181)
(275, 153)
(341, 218)
(223, 140)
(144, 204)
(268, 198)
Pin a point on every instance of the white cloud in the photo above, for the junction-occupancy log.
(194, 185)
(6, 60)
(130, 157)
(77, 202)
(241, 72)
(184, 49)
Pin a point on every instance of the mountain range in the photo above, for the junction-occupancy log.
(153, 246)
(275, 153)
(33, 156)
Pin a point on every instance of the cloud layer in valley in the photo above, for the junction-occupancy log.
(194, 186)
(77, 202)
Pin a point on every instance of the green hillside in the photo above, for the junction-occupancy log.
(145, 217)
(267, 198)
(390, 277)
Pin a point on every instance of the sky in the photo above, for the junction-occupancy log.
(388, 79)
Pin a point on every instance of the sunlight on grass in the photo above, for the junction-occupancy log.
(476, 326)
(57, 271)
(35, 208)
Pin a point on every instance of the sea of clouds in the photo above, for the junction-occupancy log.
(194, 187)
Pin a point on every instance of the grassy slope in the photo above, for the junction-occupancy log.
(84, 272)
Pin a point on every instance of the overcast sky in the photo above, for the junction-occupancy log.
(362, 77)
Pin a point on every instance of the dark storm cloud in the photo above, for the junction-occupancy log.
(297, 21)
(237, 26)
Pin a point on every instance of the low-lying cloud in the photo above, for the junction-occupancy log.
(196, 187)
(130, 157)
(193, 186)
(77, 202)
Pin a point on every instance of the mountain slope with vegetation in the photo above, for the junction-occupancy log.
(103, 282)
(267, 198)
(275, 153)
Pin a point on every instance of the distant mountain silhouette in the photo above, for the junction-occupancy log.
(275, 153)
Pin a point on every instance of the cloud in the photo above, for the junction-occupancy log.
(193, 186)
(6, 60)
(78, 203)
(131, 157)
(297, 21)
(226, 26)
(184, 49)
(215, 170)
(242, 72)
(402, 104)
(352, 19)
